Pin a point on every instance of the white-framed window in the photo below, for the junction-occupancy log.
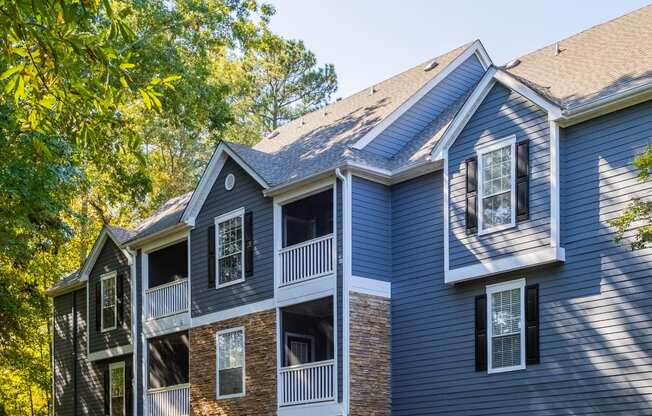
(109, 298)
(506, 326)
(229, 233)
(497, 185)
(117, 402)
(231, 363)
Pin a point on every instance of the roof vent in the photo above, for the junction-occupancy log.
(432, 65)
(272, 135)
(512, 64)
(557, 49)
(338, 99)
(372, 90)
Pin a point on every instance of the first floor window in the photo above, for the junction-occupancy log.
(497, 170)
(230, 363)
(117, 389)
(505, 312)
(109, 300)
(230, 247)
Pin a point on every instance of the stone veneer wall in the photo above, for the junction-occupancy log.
(260, 363)
(370, 331)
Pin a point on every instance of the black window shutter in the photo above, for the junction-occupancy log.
(471, 195)
(128, 388)
(249, 243)
(120, 297)
(532, 324)
(98, 306)
(522, 180)
(481, 333)
(211, 256)
(107, 395)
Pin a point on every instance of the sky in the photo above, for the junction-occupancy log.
(369, 41)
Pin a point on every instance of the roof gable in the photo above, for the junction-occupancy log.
(453, 80)
(208, 178)
(491, 77)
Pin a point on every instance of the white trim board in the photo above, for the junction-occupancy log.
(236, 312)
(167, 325)
(111, 352)
(474, 49)
(209, 177)
(469, 108)
(372, 287)
(537, 257)
(97, 249)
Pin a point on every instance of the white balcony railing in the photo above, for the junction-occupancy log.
(307, 383)
(307, 260)
(169, 401)
(168, 299)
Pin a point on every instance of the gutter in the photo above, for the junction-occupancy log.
(53, 292)
(384, 176)
(606, 105)
(132, 244)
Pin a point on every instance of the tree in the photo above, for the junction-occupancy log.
(637, 217)
(285, 82)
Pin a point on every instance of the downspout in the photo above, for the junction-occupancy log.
(346, 272)
(134, 331)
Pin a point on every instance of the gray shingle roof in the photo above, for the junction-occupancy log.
(65, 282)
(165, 216)
(604, 60)
(324, 138)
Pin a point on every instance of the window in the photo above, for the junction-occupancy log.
(109, 300)
(230, 248)
(117, 389)
(497, 171)
(505, 315)
(299, 349)
(230, 363)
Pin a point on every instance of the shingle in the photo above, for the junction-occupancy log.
(606, 59)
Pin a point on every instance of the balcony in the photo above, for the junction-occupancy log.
(168, 291)
(308, 250)
(168, 390)
(307, 260)
(308, 354)
(169, 401)
(168, 299)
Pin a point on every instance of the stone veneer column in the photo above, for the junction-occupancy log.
(369, 345)
(260, 364)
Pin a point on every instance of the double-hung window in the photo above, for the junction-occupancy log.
(497, 171)
(230, 247)
(506, 323)
(117, 389)
(109, 301)
(231, 363)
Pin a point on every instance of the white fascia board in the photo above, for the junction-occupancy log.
(97, 249)
(554, 111)
(538, 257)
(111, 352)
(209, 177)
(475, 49)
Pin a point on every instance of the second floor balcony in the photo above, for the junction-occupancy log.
(309, 248)
(168, 289)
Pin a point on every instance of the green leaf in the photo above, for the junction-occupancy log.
(11, 71)
(127, 65)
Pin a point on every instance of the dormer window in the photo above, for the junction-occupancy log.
(497, 170)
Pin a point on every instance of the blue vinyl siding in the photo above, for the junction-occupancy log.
(247, 193)
(502, 113)
(408, 125)
(371, 225)
(596, 336)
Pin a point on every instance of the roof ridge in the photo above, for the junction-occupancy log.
(576, 34)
